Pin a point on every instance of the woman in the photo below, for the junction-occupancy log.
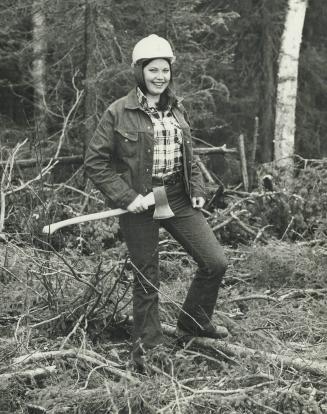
(143, 140)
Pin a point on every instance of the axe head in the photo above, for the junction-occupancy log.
(162, 210)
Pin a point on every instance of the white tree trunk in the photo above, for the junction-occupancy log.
(288, 84)
(39, 66)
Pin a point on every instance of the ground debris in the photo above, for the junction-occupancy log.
(273, 302)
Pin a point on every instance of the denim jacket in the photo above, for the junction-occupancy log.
(119, 157)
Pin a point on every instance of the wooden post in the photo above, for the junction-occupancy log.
(254, 150)
(243, 162)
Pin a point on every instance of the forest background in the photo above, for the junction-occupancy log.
(61, 64)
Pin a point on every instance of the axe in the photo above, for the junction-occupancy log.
(158, 198)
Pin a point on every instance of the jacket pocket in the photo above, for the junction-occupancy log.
(127, 142)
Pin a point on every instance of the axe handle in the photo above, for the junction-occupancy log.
(51, 228)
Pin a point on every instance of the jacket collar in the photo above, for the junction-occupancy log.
(132, 101)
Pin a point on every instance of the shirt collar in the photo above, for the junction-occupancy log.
(143, 101)
(134, 103)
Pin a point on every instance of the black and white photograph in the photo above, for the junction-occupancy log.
(163, 207)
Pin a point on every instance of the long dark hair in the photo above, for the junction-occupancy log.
(164, 99)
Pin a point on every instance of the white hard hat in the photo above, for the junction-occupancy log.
(152, 47)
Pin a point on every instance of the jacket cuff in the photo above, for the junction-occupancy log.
(199, 193)
(127, 198)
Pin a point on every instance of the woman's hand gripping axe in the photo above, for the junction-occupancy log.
(158, 198)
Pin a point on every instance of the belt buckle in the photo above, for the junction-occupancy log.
(173, 178)
(170, 179)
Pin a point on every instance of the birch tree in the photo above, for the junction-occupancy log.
(288, 83)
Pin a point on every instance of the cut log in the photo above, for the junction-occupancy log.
(316, 367)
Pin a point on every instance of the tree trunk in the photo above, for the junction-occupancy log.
(287, 85)
(39, 67)
(168, 18)
(90, 70)
(268, 84)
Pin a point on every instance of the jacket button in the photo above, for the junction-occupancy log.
(149, 127)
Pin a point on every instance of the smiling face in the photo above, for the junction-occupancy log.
(156, 77)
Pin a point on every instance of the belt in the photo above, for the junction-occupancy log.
(170, 179)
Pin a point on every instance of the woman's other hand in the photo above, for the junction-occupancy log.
(138, 205)
(198, 202)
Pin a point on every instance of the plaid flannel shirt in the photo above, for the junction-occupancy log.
(168, 138)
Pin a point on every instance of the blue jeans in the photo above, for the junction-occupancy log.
(191, 230)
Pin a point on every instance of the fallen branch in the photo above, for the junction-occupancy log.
(243, 225)
(205, 172)
(78, 159)
(28, 374)
(63, 186)
(252, 297)
(72, 332)
(227, 221)
(204, 391)
(298, 293)
(260, 232)
(87, 356)
(312, 242)
(316, 367)
(32, 162)
(214, 150)
(265, 407)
